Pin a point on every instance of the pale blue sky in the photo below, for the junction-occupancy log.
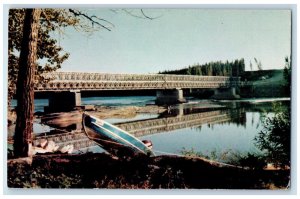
(178, 38)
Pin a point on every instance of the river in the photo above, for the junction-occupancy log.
(225, 134)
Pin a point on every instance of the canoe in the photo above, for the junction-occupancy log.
(113, 139)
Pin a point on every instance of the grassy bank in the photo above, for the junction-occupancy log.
(167, 172)
(265, 83)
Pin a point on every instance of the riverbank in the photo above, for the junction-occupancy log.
(161, 172)
(99, 170)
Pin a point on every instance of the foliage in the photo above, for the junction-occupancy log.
(251, 160)
(234, 68)
(273, 141)
(275, 138)
(90, 172)
(251, 66)
(192, 153)
(49, 53)
(101, 171)
(287, 75)
(258, 64)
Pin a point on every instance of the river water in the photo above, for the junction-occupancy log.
(218, 130)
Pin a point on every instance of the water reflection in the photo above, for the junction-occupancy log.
(222, 131)
(215, 139)
(193, 118)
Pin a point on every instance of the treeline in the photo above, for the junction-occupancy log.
(234, 68)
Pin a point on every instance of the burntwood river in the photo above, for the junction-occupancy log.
(225, 134)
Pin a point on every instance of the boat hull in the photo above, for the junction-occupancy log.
(113, 139)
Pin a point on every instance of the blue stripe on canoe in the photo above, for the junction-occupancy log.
(109, 135)
(137, 143)
(127, 137)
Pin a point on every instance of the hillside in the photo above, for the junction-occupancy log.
(265, 83)
(264, 77)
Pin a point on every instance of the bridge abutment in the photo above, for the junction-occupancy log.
(169, 96)
(225, 93)
(63, 101)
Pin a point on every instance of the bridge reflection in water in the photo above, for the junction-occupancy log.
(172, 120)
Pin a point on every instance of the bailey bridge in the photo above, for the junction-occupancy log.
(65, 87)
(148, 127)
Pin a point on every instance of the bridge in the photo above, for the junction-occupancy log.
(66, 86)
(148, 127)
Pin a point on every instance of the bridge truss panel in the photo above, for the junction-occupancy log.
(66, 81)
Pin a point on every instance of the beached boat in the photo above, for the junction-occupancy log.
(113, 139)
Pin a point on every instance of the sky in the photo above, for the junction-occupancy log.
(177, 38)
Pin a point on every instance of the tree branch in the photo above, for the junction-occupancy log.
(90, 18)
(143, 16)
(146, 16)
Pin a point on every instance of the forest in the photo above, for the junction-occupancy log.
(218, 68)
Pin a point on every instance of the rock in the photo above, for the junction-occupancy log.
(36, 150)
(67, 149)
(42, 143)
(45, 147)
(51, 147)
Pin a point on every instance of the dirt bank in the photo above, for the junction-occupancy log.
(102, 171)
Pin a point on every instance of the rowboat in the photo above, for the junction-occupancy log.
(113, 139)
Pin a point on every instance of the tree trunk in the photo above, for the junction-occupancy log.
(25, 84)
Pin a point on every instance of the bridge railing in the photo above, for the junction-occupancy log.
(75, 76)
(94, 81)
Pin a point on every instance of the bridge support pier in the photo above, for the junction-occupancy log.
(226, 93)
(63, 101)
(173, 96)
